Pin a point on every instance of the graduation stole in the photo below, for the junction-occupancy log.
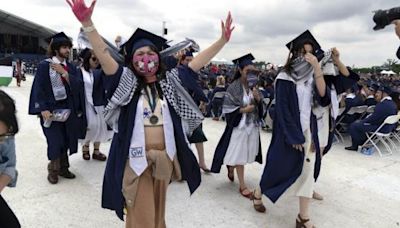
(137, 149)
(57, 84)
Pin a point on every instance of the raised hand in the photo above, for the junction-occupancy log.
(311, 59)
(81, 11)
(227, 28)
(397, 27)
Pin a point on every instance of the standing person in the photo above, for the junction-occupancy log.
(97, 130)
(8, 173)
(56, 87)
(217, 97)
(198, 137)
(240, 143)
(19, 72)
(151, 113)
(294, 156)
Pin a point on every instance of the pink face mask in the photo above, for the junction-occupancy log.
(146, 64)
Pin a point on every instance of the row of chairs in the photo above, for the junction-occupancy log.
(363, 111)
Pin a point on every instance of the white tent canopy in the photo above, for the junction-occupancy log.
(388, 72)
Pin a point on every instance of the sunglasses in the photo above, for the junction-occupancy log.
(94, 59)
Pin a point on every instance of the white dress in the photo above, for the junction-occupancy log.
(96, 125)
(244, 144)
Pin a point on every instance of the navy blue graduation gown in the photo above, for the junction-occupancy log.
(189, 80)
(284, 163)
(60, 136)
(112, 197)
(232, 121)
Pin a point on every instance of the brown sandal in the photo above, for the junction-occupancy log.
(302, 222)
(258, 207)
(85, 152)
(249, 195)
(97, 155)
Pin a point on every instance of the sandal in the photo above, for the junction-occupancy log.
(85, 152)
(301, 223)
(97, 155)
(231, 175)
(248, 195)
(260, 206)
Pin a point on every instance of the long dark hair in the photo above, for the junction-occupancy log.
(295, 52)
(86, 60)
(160, 72)
(8, 113)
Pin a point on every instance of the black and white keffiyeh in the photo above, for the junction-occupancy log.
(233, 100)
(173, 91)
(301, 69)
(56, 84)
(327, 65)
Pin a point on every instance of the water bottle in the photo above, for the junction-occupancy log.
(47, 123)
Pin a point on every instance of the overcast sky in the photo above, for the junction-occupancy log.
(263, 27)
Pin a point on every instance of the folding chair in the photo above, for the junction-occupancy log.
(369, 111)
(354, 110)
(373, 138)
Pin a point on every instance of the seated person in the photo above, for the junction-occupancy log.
(386, 107)
(352, 99)
(370, 93)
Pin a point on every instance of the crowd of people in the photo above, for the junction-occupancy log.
(152, 108)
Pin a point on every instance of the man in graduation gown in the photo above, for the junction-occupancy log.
(386, 107)
(370, 92)
(55, 87)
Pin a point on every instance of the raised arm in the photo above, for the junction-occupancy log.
(397, 27)
(205, 56)
(84, 15)
(336, 59)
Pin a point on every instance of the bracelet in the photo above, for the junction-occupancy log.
(88, 29)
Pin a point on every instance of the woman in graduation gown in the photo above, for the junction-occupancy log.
(97, 130)
(151, 113)
(240, 143)
(293, 157)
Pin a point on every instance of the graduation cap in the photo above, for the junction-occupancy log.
(306, 38)
(141, 38)
(84, 52)
(58, 38)
(244, 60)
(373, 87)
(386, 89)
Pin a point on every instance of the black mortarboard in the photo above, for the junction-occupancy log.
(244, 60)
(141, 38)
(373, 87)
(84, 52)
(304, 38)
(386, 89)
(58, 38)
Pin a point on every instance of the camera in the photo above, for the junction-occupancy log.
(382, 18)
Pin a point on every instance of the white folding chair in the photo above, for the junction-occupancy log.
(373, 138)
(369, 111)
(353, 111)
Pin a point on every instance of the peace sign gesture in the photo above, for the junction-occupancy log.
(81, 11)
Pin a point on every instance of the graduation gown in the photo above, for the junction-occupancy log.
(60, 136)
(232, 121)
(284, 163)
(112, 197)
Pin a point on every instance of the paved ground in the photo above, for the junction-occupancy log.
(360, 191)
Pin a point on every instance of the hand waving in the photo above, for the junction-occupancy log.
(81, 11)
(227, 28)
